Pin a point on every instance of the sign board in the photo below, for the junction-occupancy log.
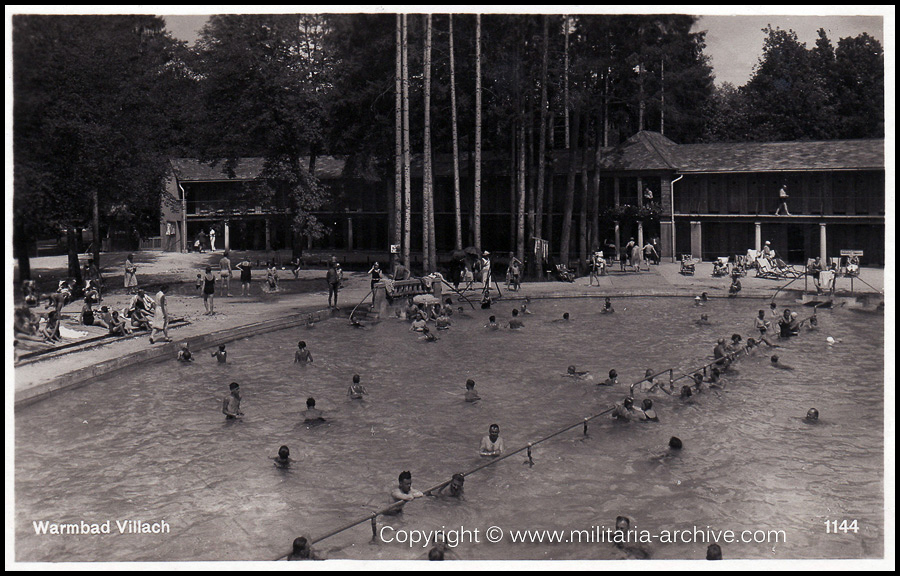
(395, 248)
(851, 252)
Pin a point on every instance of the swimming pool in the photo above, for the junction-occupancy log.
(152, 444)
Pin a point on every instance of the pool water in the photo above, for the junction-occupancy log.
(152, 444)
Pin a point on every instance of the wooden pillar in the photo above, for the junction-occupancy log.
(823, 245)
(696, 240)
(618, 240)
(640, 192)
(268, 237)
(641, 235)
(227, 236)
(757, 242)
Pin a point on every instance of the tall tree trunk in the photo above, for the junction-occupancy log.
(662, 97)
(641, 97)
(542, 138)
(398, 149)
(477, 204)
(583, 220)
(566, 232)
(520, 227)
(456, 197)
(407, 185)
(595, 196)
(72, 246)
(566, 83)
(95, 228)
(427, 211)
(513, 210)
(529, 177)
(550, 200)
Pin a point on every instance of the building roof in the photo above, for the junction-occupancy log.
(652, 151)
(781, 156)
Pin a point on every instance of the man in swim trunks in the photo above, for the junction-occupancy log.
(312, 415)
(225, 272)
(231, 405)
(403, 492)
(184, 355)
(246, 276)
(302, 355)
(624, 412)
(220, 355)
(492, 444)
(612, 380)
(471, 394)
(515, 323)
(356, 390)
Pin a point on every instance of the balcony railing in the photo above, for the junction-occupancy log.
(225, 208)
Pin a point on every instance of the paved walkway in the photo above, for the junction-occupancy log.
(243, 316)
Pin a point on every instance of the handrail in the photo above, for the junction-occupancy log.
(366, 297)
(461, 295)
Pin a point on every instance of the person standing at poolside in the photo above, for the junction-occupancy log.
(332, 278)
(225, 271)
(160, 321)
(376, 273)
(231, 404)
(492, 444)
(209, 291)
(246, 269)
(212, 239)
(131, 282)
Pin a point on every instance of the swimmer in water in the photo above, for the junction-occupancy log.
(776, 364)
(356, 390)
(686, 392)
(572, 373)
(607, 307)
(524, 308)
(403, 492)
(220, 355)
(565, 318)
(418, 325)
(812, 415)
(492, 444)
(624, 412)
(612, 380)
(312, 415)
(492, 323)
(471, 394)
(515, 323)
(302, 355)
(428, 336)
(454, 488)
(311, 321)
(231, 405)
(622, 540)
(283, 460)
(184, 355)
(301, 550)
(648, 411)
(355, 323)
(443, 321)
(703, 321)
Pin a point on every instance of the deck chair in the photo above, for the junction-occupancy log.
(720, 267)
(785, 270)
(852, 268)
(751, 258)
(688, 266)
(765, 270)
(837, 265)
(740, 265)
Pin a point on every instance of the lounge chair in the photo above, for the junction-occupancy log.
(785, 270)
(688, 266)
(751, 258)
(764, 269)
(720, 267)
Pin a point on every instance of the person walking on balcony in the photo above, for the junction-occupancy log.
(782, 198)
